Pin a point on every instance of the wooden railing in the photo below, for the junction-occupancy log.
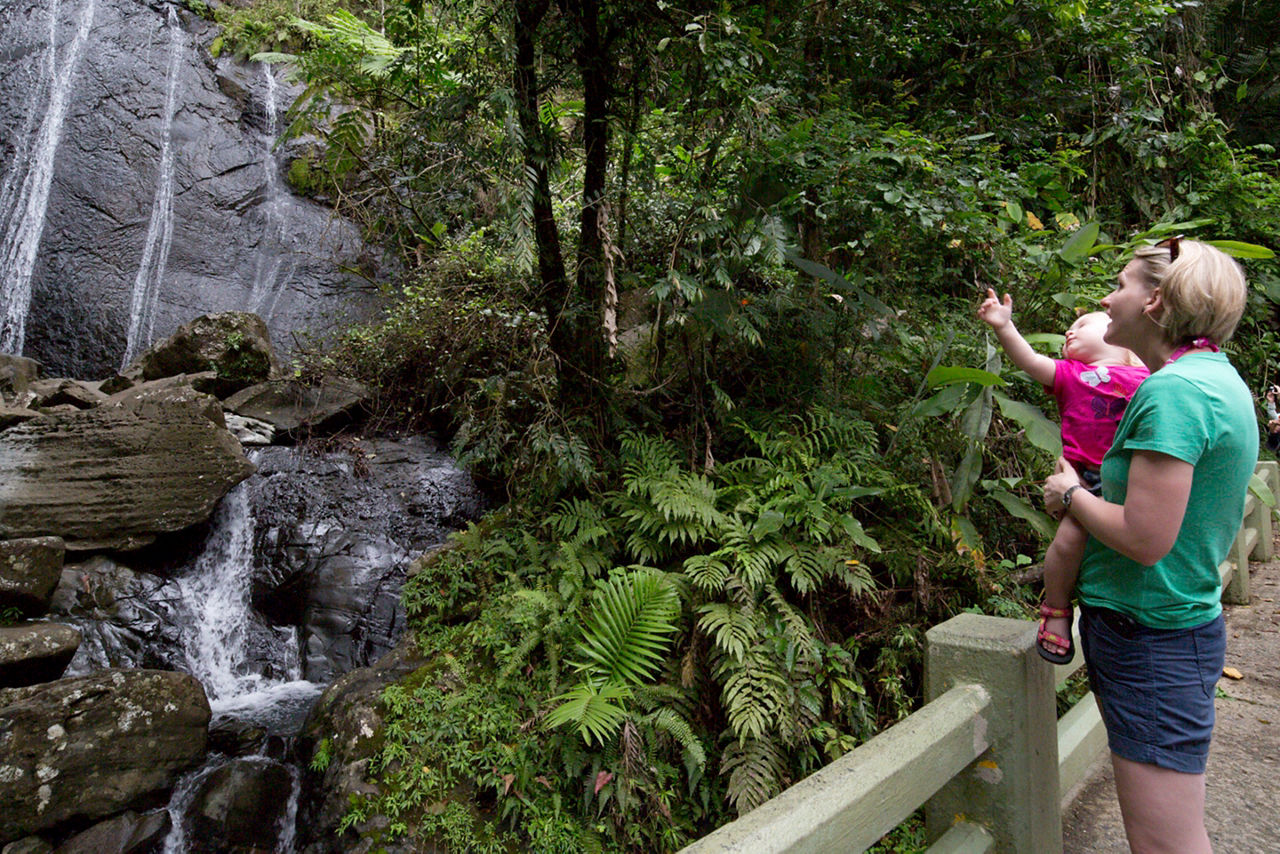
(986, 755)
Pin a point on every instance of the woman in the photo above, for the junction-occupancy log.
(1173, 492)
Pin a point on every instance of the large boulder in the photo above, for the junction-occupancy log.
(11, 415)
(235, 345)
(64, 392)
(35, 653)
(297, 407)
(126, 618)
(16, 375)
(78, 750)
(127, 833)
(115, 477)
(348, 718)
(29, 573)
(238, 807)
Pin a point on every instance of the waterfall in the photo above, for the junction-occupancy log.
(289, 828)
(155, 253)
(224, 631)
(271, 247)
(24, 220)
(184, 792)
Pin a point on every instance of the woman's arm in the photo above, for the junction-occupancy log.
(1146, 526)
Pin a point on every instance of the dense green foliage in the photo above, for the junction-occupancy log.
(692, 286)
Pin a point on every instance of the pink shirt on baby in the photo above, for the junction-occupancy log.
(1091, 400)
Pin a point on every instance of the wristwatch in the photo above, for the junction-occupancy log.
(1066, 496)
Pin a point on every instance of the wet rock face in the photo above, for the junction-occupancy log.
(334, 534)
(238, 807)
(77, 750)
(164, 199)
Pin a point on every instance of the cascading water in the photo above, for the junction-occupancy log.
(155, 253)
(226, 643)
(225, 646)
(267, 281)
(24, 216)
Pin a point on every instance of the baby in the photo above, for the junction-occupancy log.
(1092, 384)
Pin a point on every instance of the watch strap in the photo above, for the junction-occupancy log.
(1066, 496)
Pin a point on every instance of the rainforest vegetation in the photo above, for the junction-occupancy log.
(691, 287)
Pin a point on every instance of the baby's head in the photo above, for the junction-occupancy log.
(1085, 342)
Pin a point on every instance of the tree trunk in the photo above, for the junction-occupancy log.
(553, 281)
(594, 67)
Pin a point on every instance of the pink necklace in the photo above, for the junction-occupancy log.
(1195, 344)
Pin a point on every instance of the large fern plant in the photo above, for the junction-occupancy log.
(623, 645)
(753, 544)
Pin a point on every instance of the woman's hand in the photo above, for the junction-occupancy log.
(1063, 478)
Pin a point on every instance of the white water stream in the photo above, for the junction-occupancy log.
(267, 281)
(217, 644)
(221, 634)
(27, 197)
(155, 252)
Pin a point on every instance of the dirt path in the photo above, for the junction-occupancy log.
(1243, 806)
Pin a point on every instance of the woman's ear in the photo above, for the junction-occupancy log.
(1154, 308)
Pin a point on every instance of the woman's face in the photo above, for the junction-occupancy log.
(1125, 306)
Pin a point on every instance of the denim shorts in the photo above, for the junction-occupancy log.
(1155, 686)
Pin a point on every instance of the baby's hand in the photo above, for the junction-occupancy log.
(995, 313)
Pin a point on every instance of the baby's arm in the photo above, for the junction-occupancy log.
(999, 316)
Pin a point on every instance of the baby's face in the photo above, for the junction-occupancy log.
(1084, 338)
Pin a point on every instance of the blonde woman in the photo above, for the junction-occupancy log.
(1173, 492)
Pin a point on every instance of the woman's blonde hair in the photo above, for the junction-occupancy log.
(1203, 291)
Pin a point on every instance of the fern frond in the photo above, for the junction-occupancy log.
(706, 572)
(673, 724)
(809, 567)
(755, 768)
(594, 711)
(754, 695)
(632, 621)
(731, 629)
(799, 631)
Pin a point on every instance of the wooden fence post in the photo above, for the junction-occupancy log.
(1012, 788)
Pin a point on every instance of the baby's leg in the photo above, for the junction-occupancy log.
(1061, 568)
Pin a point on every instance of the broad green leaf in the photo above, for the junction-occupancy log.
(1237, 249)
(1259, 487)
(857, 491)
(951, 398)
(948, 374)
(1054, 340)
(1015, 211)
(1041, 432)
(768, 522)
(1080, 243)
(1018, 507)
(853, 528)
(965, 535)
(821, 271)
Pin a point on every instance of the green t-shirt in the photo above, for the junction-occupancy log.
(1199, 411)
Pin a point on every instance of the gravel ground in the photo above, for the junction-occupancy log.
(1243, 806)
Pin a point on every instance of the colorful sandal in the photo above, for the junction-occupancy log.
(1046, 612)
